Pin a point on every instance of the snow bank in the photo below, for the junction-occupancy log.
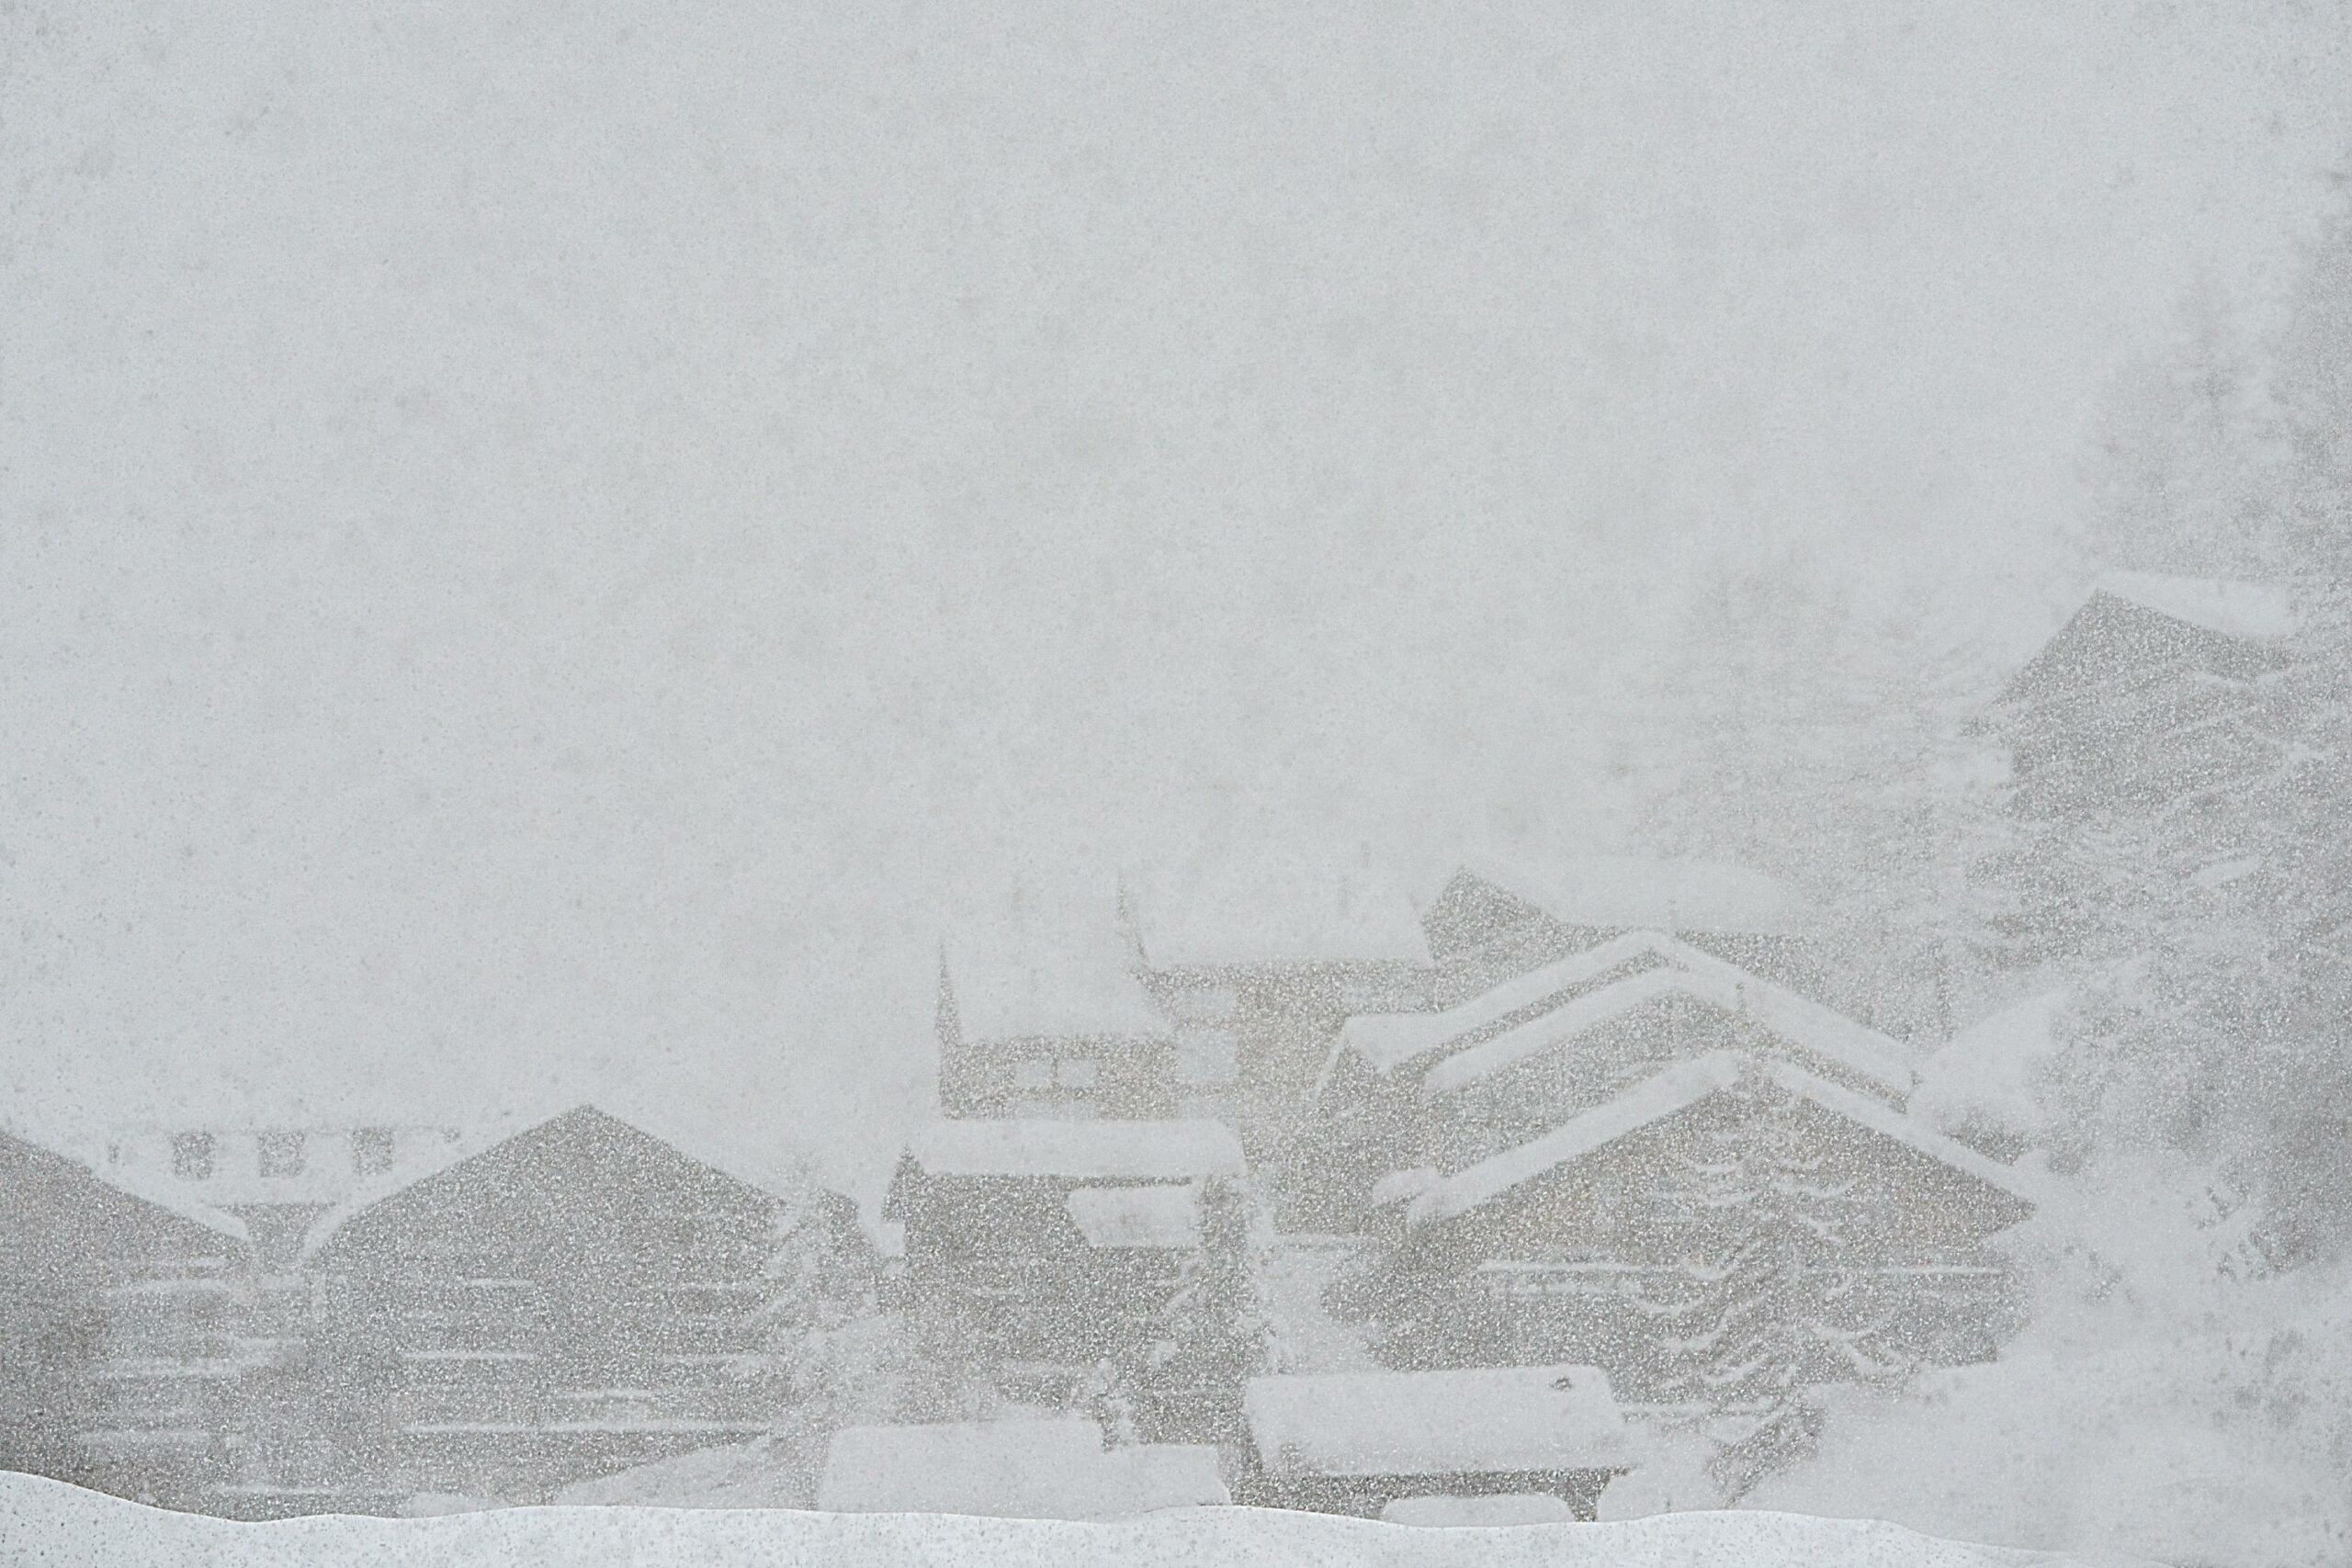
(50, 1523)
(1056, 1468)
(1476, 1420)
(2155, 1406)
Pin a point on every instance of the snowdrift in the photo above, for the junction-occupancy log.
(58, 1526)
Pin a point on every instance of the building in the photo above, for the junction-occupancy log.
(1369, 1442)
(277, 1180)
(1039, 1253)
(1054, 1468)
(2152, 688)
(1042, 1013)
(1258, 955)
(119, 1306)
(1565, 1167)
(551, 1301)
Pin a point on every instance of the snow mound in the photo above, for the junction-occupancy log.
(50, 1522)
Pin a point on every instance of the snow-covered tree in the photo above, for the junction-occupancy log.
(1770, 1300)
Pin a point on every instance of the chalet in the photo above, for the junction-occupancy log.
(1041, 1014)
(1729, 1197)
(1056, 1468)
(1037, 1251)
(1374, 1443)
(2151, 689)
(1258, 956)
(1441, 1089)
(119, 1303)
(555, 1301)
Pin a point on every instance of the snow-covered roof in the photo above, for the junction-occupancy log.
(1089, 1150)
(1390, 1041)
(1034, 965)
(1471, 1421)
(1674, 1090)
(1018, 1468)
(2253, 612)
(1667, 894)
(1273, 904)
(1161, 1216)
(158, 1192)
(775, 1172)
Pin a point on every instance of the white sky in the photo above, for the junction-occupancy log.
(536, 540)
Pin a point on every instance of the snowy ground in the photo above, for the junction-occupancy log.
(55, 1526)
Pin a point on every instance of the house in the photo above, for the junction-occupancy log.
(1042, 1013)
(1037, 1251)
(1442, 1088)
(1056, 1468)
(118, 1305)
(556, 1299)
(2151, 688)
(1259, 954)
(1722, 1222)
(1369, 1443)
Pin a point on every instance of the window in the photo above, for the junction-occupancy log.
(279, 1152)
(1035, 1073)
(192, 1155)
(371, 1150)
(1079, 1072)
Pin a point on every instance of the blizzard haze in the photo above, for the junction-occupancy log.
(550, 549)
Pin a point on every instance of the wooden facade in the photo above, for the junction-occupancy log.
(124, 1312)
(579, 1298)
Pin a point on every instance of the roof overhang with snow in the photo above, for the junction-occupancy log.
(1088, 1150)
(1390, 1042)
(1473, 1421)
(1052, 1469)
(1677, 1088)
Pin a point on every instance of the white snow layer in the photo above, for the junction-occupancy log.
(1473, 1421)
(1050, 1469)
(1677, 1089)
(1082, 1150)
(1988, 1076)
(53, 1524)
(1389, 1041)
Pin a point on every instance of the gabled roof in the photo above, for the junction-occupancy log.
(778, 1176)
(1473, 1421)
(1616, 891)
(1090, 1150)
(2252, 612)
(1273, 904)
(158, 1192)
(1675, 1089)
(1390, 1042)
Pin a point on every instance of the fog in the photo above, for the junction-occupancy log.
(552, 551)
